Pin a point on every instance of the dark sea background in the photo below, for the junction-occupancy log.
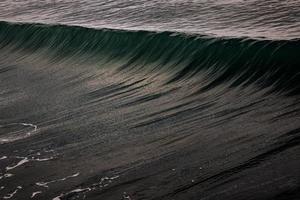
(150, 100)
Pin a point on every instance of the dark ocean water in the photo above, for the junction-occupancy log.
(150, 100)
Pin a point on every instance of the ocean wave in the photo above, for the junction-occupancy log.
(242, 61)
(117, 114)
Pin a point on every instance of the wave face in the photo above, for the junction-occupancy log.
(117, 114)
(266, 63)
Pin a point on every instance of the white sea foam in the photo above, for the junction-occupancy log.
(25, 160)
(104, 181)
(21, 162)
(45, 184)
(8, 196)
(11, 138)
(35, 193)
(28, 124)
(8, 175)
(79, 190)
(43, 159)
(3, 157)
(126, 196)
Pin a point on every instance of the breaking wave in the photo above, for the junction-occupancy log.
(242, 61)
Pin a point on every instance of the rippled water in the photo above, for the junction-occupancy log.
(254, 18)
(160, 100)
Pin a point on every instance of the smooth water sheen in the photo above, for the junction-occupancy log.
(140, 100)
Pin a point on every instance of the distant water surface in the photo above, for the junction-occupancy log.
(273, 19)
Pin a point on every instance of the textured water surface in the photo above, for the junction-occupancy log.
(140, 100)
(253, 18)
